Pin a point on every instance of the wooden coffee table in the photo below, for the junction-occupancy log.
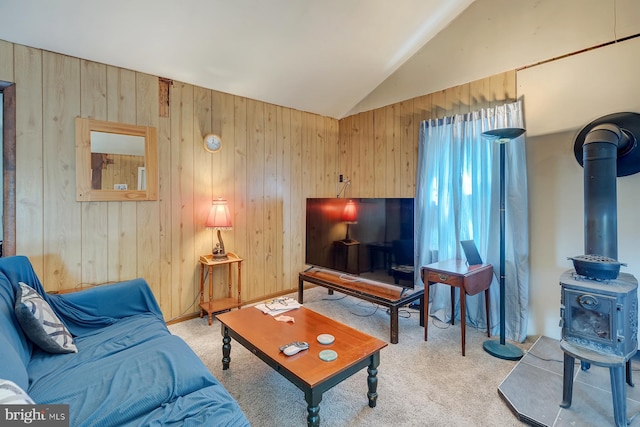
(262, 335)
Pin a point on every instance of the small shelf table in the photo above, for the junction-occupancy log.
(341, 249)
(208, 263)
(471, 280)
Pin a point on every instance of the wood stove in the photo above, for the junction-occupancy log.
(599, 305)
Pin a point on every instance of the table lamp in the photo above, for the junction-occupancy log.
(349, 216)
(219, 219)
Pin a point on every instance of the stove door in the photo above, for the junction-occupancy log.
(590, 317)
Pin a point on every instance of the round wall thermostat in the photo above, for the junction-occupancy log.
(212, 143)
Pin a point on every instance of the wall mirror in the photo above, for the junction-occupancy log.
(115, 161)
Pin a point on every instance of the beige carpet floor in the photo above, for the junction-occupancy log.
(420, 383)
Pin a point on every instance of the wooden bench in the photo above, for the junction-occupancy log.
(392, 297)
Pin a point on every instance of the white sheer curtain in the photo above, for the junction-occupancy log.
(457, 198)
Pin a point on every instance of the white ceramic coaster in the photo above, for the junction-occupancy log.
(328, 355)
(326, 338)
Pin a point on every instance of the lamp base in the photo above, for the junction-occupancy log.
(220, 256)
(504, 351)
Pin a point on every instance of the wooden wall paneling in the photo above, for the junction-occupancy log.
(147, 212)
(165, 238)
(457, 100)
(95, 220)
(438, 104)
(503, 87)
(380, 151)
(357, 173)
(255, 197)
(8, 133)
(422, 110)
(393, 158)
(121, 107)
(29, 156)
(183, 266)
(344, 161)
(271, 171)
(256, 193)
(479, 94)
(206, 171)
(308, 152)
(407, 149)
(283, 212)
(331, 156)
(62, 218)
(241, 182)
(7, 61)
(223, 185)
(366, 154)
(318, 139)
(297, 198)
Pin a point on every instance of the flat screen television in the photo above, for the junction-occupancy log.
(372, 238)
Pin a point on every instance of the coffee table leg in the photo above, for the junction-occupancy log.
(226, 348)
(372, 379)
(313, 407)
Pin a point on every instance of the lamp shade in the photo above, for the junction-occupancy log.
(350, 213)
(219, 217)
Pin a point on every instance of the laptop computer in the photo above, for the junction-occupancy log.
(471, 252)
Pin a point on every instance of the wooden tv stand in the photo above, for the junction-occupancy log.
(392, 297)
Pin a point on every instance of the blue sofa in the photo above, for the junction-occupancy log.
(128, 369)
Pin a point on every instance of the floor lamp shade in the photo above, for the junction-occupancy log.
(502, 349)
(219, 219)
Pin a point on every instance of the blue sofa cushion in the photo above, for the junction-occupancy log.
(134, 372)
(40, 323)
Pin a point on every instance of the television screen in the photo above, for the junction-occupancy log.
(366, 237)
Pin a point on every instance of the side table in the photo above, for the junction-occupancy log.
(208, 263)
(342, 247)
(455, 273)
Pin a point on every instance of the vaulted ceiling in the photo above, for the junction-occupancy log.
(321, 56)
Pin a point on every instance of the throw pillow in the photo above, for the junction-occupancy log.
(40, 323)
(12, 394)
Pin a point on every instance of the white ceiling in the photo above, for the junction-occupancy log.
(320, 56)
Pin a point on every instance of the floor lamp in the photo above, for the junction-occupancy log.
(502, 349)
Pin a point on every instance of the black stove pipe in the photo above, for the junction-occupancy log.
(599, 155)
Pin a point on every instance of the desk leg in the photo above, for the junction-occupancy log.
(422, 311)
(463, 316)
(425, 308)
(453, 304)
(486, 307)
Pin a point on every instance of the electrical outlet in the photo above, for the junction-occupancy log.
(340, 178)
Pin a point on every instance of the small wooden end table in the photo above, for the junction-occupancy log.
(262, 335)
(455, 273)
(208, 263)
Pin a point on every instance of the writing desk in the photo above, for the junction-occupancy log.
(455, 273)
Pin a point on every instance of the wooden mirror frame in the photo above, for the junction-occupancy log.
(9, 168)
(84, 190)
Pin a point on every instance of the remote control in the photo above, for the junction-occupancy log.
(294, 348)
